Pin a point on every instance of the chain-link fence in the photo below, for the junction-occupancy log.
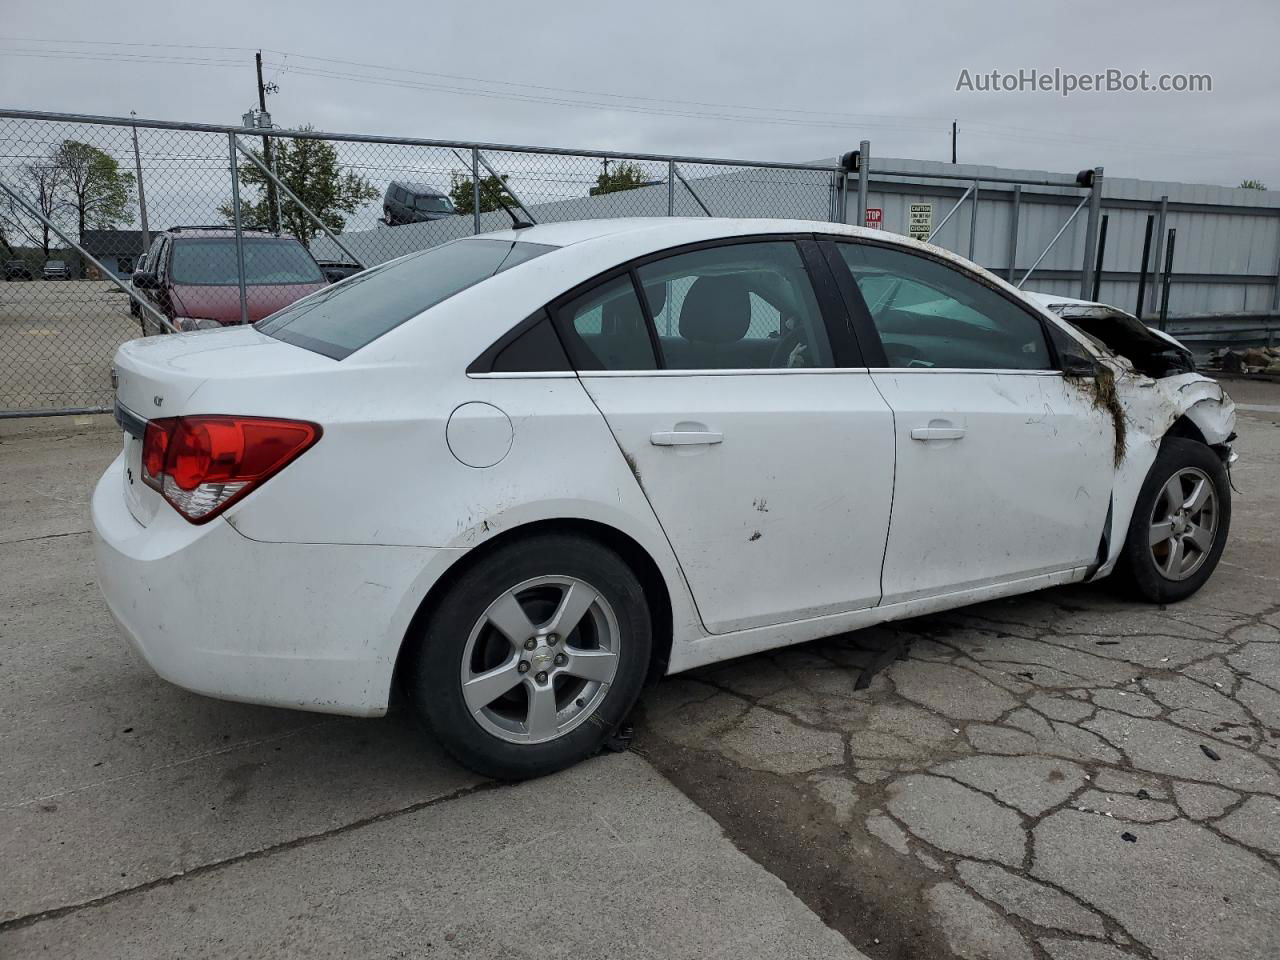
(114, 229)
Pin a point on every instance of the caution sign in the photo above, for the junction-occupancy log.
(920, 221)
(874, 218)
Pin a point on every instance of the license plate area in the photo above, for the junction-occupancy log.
(142, 501)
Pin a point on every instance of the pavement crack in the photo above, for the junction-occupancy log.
(54, 913)
(46, 536)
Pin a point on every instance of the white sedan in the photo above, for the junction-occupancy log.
(523, 473)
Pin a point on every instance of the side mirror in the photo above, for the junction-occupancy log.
(145, 281)
(1075, 365)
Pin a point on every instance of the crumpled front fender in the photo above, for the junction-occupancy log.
(1150, 408)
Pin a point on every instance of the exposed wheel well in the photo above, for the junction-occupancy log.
(655, 588)
(1185, 428)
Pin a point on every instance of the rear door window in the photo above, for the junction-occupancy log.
(606, 329)
(741, 306)
(340, 319)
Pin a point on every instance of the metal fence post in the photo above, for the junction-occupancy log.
(1097, 264)
(1091, 233)
(1014, 212)
(864, 177)
(235, 217)
(1275, 293)
(973, 219)
(671, 188)
(1158, 259)
(475, 189)
(142, 193)
(1146, 260)
(1168, 278)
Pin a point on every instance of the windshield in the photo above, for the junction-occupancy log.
(433, 204)
(211, 262)
(340, 320)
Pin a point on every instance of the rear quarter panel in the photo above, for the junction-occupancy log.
(384, 473)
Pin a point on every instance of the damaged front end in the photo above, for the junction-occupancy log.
(1147, 381)
(1152, 352)
(1146, 410)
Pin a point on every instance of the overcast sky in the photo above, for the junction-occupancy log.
(569, 73)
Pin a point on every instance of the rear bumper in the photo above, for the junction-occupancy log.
(308, 626)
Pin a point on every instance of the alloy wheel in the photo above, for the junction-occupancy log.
(1184, 523)
(540, 659)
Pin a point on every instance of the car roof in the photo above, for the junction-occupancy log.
(669, 230)
(177, 233)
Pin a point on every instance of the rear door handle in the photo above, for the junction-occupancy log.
(937, 433)
(681, 438)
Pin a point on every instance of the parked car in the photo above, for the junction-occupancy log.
(336, 270)
(141, 267)
(192, 275)
(56, 270)
(17, 270)
(414, 203)
(522, 474)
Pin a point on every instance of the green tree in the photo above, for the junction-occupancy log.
(493, 194)
(310, 168)
(1252, 185)
(98, 194)
(625, 176)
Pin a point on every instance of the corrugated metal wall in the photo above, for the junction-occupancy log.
(1226, 256)
(1226, 253)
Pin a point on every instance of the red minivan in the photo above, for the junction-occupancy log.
(192, 275)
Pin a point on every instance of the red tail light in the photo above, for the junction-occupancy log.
(202, 465)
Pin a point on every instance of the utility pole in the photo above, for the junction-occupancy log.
(953, 141)
(142, 196)
(273, 202)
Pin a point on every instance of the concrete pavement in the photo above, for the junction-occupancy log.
(1062, 776)
(137, 820)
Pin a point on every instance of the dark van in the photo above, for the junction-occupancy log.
(414, 203)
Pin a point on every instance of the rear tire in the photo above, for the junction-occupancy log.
(1179, 526)
(533, 657)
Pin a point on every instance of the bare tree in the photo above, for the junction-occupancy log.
(40, 184)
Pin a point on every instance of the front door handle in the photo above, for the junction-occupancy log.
(937, 433)
(682, 438)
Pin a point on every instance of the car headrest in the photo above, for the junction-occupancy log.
(621, 317)
(716, 310)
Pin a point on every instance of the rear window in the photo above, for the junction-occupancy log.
(211, 262)
(340, 320)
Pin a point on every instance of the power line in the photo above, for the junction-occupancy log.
(583, 99)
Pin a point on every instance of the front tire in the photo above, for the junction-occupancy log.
(533, 657)
(1180, 523)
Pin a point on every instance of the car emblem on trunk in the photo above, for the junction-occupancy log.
(158, 400)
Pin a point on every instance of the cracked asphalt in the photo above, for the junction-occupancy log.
(1062, 776)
